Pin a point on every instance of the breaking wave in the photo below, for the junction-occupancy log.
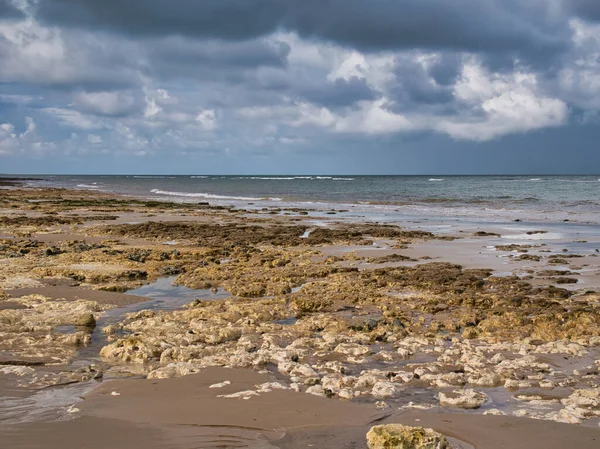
(210, 196)
(292, 178)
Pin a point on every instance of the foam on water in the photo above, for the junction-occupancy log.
(205, 195)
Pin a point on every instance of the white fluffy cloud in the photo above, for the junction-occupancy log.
(27, 141)
(579, 82)
(500, 105)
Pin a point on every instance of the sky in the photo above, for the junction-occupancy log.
(290, 86)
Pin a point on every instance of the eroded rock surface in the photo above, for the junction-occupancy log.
(396, 436)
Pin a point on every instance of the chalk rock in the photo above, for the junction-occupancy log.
(316, 390)
(304, 370)
(486, 379)
(383, 390)
(131, 349)
(351, 349)
(585, 402)
(346, 393)
(494, 412)
(85, 320)
(396, 436)
(467, 399)
(177, 369)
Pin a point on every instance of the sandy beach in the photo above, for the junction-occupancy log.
(131, 323)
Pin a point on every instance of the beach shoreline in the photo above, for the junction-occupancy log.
(351, 322)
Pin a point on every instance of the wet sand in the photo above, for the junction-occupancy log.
(468, 430)
(186, 413)
(76, 293)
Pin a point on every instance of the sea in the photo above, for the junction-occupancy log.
(531, 198)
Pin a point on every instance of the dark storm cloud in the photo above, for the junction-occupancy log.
(472, 25)
(180, 57)
(445, 71)
(339, 93)
(256, 53)
(424, 86)
(227, 19)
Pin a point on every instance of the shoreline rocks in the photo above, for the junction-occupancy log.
(397, 436)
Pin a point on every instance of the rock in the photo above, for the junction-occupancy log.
(396, 436)
(547, 384)
(131, 349)
(494, 412)
(346, 393)
(470, 333)
(178, 369)
(445, 380)
(85, 320)
(404, 353)
(304, 371)
(110, 329)
(383, 390)
(351, 349)
(404, 376)
(316, 390)
(467, 399)
(513, 384)
(270, 386)
(485, 380)
(588, 400)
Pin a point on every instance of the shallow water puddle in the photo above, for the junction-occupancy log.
(286, 321)
(60, 403)
(50, 404)
(164, 296)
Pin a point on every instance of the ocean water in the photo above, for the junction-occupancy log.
(499, 198)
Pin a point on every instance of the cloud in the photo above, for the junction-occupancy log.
(498, 105)
(380, 25)
(8, 138)
(585, 9)
(32, 53)
(27, 141)
(207, 119)
(8, 10)
(579, 80)
(111, 103)
(230, 78)
(74, 119)
(373, 118)
(337, 93)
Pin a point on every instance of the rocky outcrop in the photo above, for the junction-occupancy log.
(396, 436)
(467, 399)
